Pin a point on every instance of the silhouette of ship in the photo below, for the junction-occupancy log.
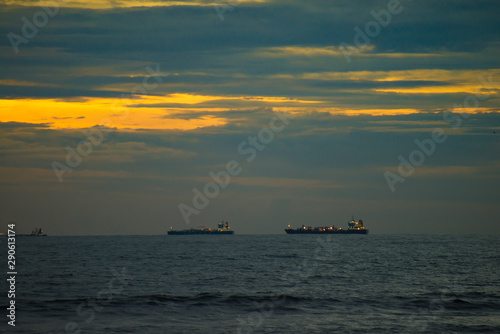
(37, 232)
(222, 228)
(353, 227)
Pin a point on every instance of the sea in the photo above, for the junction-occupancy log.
(255, 284)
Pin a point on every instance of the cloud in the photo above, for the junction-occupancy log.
(15, 125)
(103, 5)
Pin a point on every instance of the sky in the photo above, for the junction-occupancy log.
(132, 117)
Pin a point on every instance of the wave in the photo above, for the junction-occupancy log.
(282, 256)
(198, 299)
(469, 301)
(437, 301)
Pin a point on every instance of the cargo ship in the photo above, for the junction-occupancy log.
(353, 227)
(222, 228)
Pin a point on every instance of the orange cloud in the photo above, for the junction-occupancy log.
(471, 89)
(89, 112)
(127, 113)
(102, 4)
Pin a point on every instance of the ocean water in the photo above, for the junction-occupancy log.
(256, 284)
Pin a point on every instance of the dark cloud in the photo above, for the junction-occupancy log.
(346, 155)
(16, 125)
(53, 92)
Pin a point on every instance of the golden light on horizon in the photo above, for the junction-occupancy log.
(86, 113)
(145, 111)
(151, 112)
(99, 4)
(469, 89)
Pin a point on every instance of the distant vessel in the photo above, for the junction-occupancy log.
(222, 228)
(37, 232)
(353, 227)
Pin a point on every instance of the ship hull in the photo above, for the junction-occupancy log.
(300, 231)
(193, 232)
